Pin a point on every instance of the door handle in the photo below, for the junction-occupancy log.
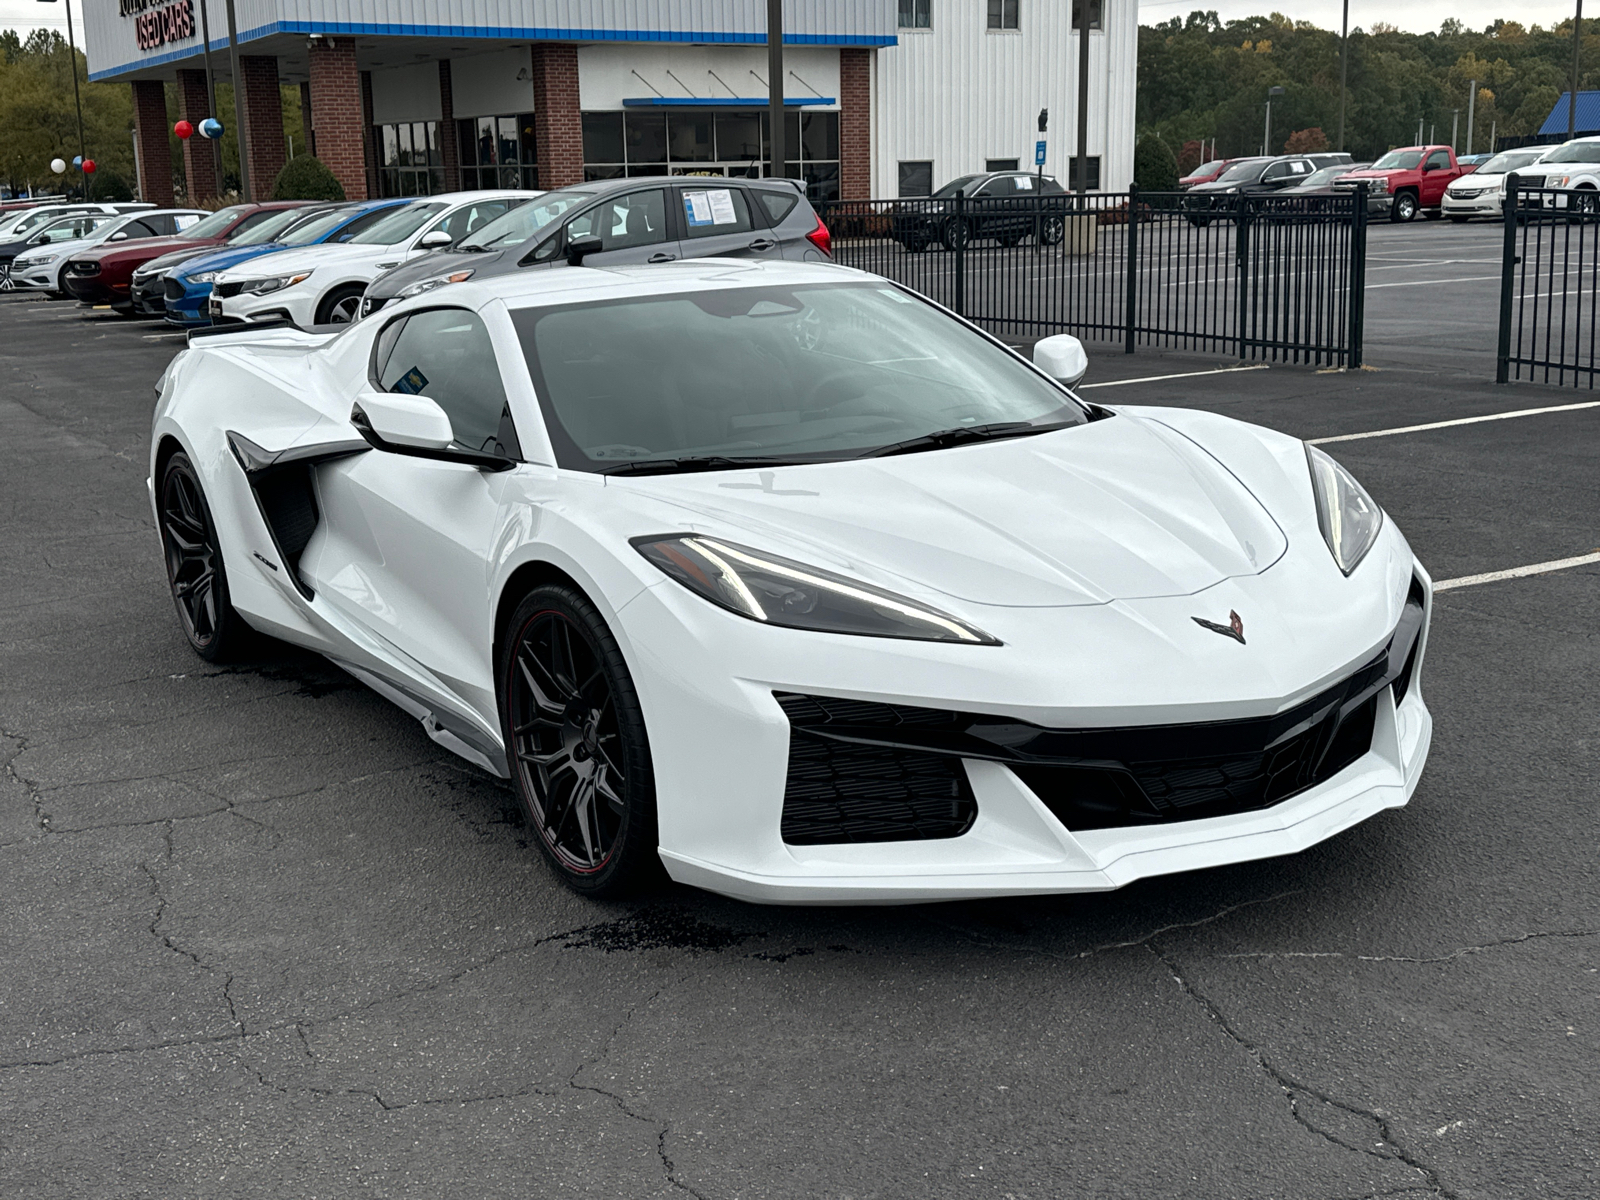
(763, 243)
(662, 257)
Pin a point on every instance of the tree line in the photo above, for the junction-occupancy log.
(1201, 78)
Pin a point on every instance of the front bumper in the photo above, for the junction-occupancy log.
(191, 305)
(94, 289)
(1484, 205)
(41, 278)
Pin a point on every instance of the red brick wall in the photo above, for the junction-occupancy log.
(341, 134)
(263, 122)
(855, 124)
(199, 155)
(155, 151)
(557, 119)
(449, 150)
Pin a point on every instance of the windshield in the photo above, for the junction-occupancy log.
(1574, 152)
(525, 220)
(1243, 171)
(1327, 175)
(70, 228)
(1511, 160)
(822, 371)
(1210, 168)
(23, 224)
(268, 230)
(1398, 160)
(955, 185)
(398, 225)
(214, 225)
(315, 228)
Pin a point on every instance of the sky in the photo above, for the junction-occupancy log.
(1418, 16)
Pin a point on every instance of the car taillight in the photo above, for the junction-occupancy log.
(821, 238)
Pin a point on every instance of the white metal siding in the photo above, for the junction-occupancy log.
(959, 94)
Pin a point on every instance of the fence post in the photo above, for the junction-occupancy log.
(1241, 242)
(961, 239)
(1508, 275)
(1131, 286)
(1358, 277)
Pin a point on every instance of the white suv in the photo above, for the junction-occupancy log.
(323, 284)
(1575, 164)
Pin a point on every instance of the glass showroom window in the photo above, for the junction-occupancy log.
(719, 142)
(409, 163)
(497, 152)
(916, 14)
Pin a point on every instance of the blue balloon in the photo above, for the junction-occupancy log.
(211, 128)
(77, 160)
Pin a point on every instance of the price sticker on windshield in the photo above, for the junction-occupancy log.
(710, 208)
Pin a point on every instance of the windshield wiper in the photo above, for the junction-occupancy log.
(699, 462)
(942, 438)
(469, 248)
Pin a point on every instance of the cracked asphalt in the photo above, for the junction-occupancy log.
(263, 939)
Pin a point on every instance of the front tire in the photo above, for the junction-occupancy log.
(576, 744)
(195, 570)
(1405, 208)
(341, 306)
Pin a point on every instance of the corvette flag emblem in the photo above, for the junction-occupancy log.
(1234, 628)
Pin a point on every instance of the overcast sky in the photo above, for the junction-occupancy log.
(1419, 16)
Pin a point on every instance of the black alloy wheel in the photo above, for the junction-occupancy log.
(955, 233)
(576, 744)
(195, 569)
(1053, 230)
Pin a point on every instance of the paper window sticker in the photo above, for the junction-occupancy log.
(1024, 183)
(722, 211)
(697, 207)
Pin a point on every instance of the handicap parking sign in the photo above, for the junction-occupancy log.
(1038, 154)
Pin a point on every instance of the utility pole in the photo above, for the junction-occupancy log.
(775, 115)
(211, 98)
(1344, 68)
(1572, 96)
(1455, 124)
(238, 104)
(1419, 131)
(1083, 96)
(1472, 105)
(1266, 140)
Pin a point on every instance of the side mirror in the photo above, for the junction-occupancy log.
(579, 248)
(436, 239)
(1062, 358)
(119, 236)
(403, 420)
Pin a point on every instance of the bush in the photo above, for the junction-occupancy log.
(1154, 168)
(109, 187)
(305, 178)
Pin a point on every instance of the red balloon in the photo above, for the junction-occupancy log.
(184, 130)
(88, 166)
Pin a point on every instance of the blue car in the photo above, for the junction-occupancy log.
(188, 285)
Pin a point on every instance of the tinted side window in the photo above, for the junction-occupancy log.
(1439, 160)
(142, 228)
(777, 204)
(446, 354)
(361, 224)
(713, 211)
(464, 220)
(637, 219)
(253, 220)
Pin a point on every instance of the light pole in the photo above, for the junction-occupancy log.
(1266, 140)
(1572, 96)
(1472, 108)
(1455, 124)
(1344, 67)
(72, 53)
(238, 105)
(1083, 99)
(775, 114)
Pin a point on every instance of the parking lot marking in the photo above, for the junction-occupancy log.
(1544, 568)
(1372, 287)
(1505, 416)
(1180, 375)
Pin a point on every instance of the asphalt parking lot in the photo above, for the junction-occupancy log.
(263, 938)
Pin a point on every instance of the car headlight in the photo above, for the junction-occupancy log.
(1349, 518)
(205, 277)
(779, 591)
(427, 285)
(260, 287)
(37, 261)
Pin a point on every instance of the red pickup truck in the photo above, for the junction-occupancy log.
(1407, 181)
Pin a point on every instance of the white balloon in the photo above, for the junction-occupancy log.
(58, 165)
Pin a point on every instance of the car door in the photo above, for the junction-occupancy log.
(719, 222)
(634, 227)
(408, 539)
(1435, 178)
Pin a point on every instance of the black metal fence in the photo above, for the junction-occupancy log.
(1255, 277)
(1549, 286)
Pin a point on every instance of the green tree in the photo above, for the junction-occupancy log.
(38, 120)
(1154, 167)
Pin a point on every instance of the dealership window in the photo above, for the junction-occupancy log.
(1094, 174)
(916, 14)
(409, 163)
(1003, 14)
(497, 152)
(1095, 7)
(916, 179)
(999, 164)
(720, 142)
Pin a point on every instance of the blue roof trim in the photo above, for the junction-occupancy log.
(1588, 114)
(500, 33)
(724, 102)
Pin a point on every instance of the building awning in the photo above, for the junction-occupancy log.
(725, 102)
(1588, 114)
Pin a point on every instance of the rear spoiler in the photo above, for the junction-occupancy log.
(267, 324)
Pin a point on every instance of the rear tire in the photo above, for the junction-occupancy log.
(576, 744)
(955, 234)
(196, 574)
(1053, 230)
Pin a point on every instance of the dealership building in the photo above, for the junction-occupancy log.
(409, 97)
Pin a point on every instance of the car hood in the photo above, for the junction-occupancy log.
(438, 265)
(1123, 508)
(309, 258)
(1369, 173)
(222, 257)
(58, 248)
(144, 249)
(166, 262)
(1217, 186)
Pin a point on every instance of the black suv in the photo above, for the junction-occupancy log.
(1007, 206)
(612, 222)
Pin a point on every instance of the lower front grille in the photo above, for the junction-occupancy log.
(224, 290)
(174, 289)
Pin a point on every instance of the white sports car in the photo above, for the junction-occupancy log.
(786, 579)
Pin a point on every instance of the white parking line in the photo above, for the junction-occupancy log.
(1180, 375)
(1372, 287)
(1504, 416)
(1544, 568)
